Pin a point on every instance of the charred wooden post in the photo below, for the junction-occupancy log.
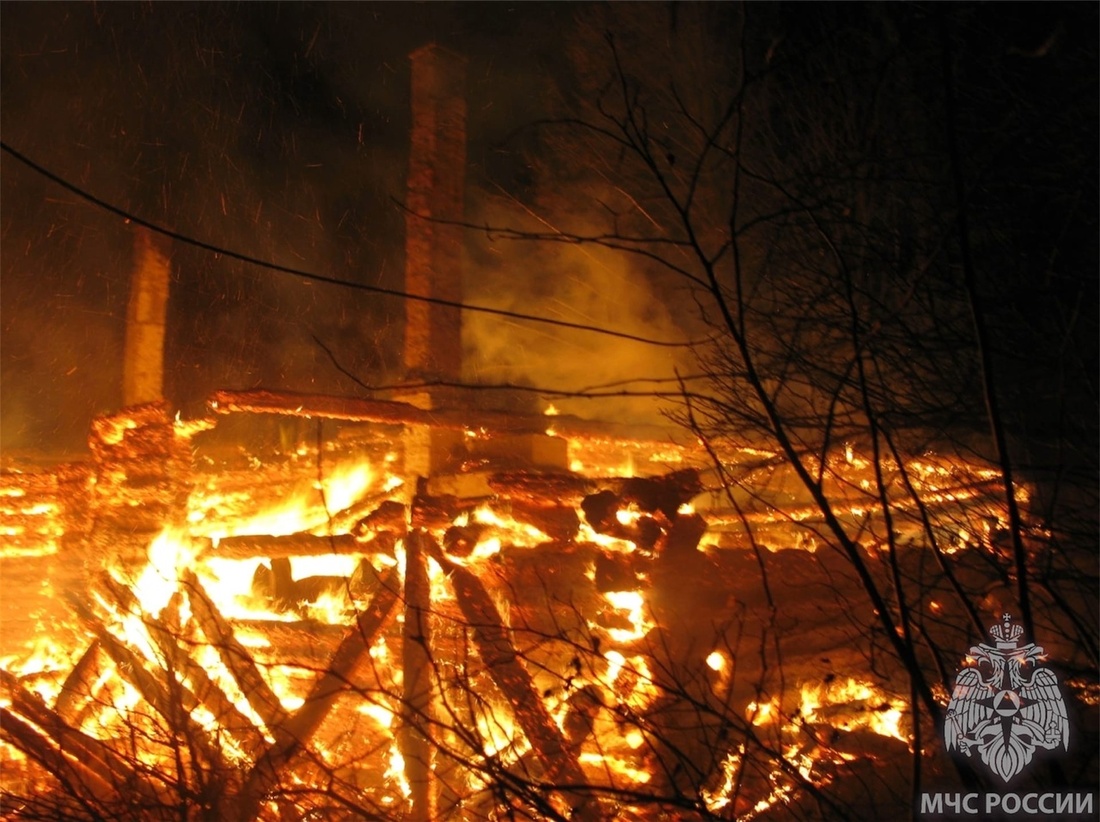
(435, 208)
(295, 733)
(414, 737)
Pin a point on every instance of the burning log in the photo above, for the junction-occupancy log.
(290, 545)
(384, 543)
(293, 734)
(414, 737)
(233, 654)
(356, 516)
(558, 522)
(537, 488)
(387, 412)
(275, 583)
(434, 511)
(656, 502)
(602, 512)
(502, 661)
(665, 493)
(389, 516)
(305, 643)
(460, 540)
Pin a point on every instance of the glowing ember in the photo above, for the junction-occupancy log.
(851, 704)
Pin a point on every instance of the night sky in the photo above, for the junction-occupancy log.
(277, 130)
(280, 131)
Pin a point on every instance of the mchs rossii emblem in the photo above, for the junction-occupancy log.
(1006, 704)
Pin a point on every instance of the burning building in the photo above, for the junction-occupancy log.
(419, 608)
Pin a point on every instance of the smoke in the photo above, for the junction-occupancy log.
(588, 285)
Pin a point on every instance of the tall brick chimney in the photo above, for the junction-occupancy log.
(143, 354)
(433, 250)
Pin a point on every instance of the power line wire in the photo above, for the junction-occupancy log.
(308, 275)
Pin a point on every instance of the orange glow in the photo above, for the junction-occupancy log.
(590, 653)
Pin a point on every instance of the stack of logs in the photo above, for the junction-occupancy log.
(141, 473)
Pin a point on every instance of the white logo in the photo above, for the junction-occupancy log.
(1006, 704)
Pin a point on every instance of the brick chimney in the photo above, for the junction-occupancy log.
(437, 176)
(143, 355)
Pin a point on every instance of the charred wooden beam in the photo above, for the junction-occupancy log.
(387, 412)
(235, 656)
(414, 737)
(292, 735)
(289, 545)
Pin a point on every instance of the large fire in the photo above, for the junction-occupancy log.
(313, 633)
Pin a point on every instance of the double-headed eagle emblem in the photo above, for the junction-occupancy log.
(1006, 704)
